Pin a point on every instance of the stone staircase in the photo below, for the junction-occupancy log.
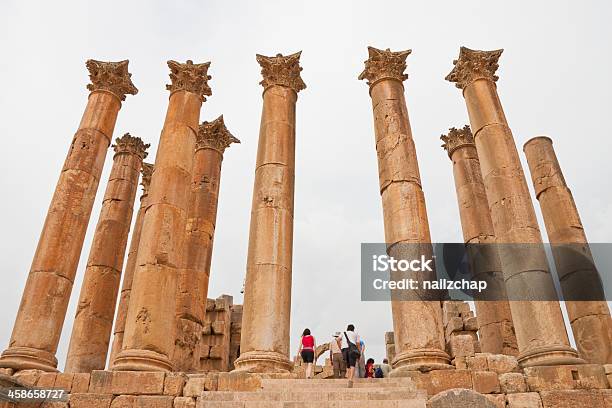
(332, 393)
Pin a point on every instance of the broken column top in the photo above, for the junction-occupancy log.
(281, 70)
(189, 77)
(472, 65)
(111, 77)
(132, 145)
(457, 138)
(214, 135)
(384, 64)
(147, 173)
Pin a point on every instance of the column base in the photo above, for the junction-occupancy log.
(263, 362)
(549, 356)
(141, 360)
(27, 358)
(422, 360)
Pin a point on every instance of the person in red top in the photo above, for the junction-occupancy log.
(369, 368)
(307, 351)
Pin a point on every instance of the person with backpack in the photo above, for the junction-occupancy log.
(307, 351)
(351, 349)
(384, 368)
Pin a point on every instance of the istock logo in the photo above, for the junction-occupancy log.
(383, 263)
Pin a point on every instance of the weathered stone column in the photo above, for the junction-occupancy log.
(130, 265)
(45, 298)
(590, 317)
(417, 318)
(96, 308)
(264, 342)
(212, 140)
(539, 326)
(148, 340)
(495, 328)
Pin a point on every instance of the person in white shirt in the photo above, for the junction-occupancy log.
(351, 349)
(336, 357)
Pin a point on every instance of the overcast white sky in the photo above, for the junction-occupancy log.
(554, 80)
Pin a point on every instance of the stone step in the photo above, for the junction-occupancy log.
(343, 394)
(338, 383)
(418, 402)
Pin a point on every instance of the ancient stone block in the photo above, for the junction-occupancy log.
(127, 382)
(460, 363)
(223, 302)
(572, 399)
(499, 400)
(238, 381)
(63, 381)
(511, 383)
(459, 398)
(197, 383)
(216, 352)
(174, 383)
(477, 362)
(389, 338)
(206, 328)
(470, 324)
(210, 305)
(218, 327)
(461, 346)
(485, 382)
(90, 400)
(441, 380)
(501, 363)
(145, 401)
(46, 380)
(80, 383)
(455, 324)
(566, 377)
(184, 402)
(28, 377)
(204, 351)
(524, 400)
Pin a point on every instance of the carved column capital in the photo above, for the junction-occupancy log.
(457, 138)
(131, 145)
(147, 173)
(472, 65)
(281, 70)
(190, 77)
(214, 135)
(112, 77)
(384, 64)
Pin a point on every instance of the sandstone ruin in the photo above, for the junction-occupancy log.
(174, 347)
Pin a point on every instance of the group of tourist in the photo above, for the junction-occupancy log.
(347, 355)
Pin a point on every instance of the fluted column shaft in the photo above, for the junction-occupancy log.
(495, 327)
(148, 340)
(130, 266)
(211, 142)
(264, 344)
(417, 317)
(590, 319)
(538, 323)
(93, 323)
(44, 302)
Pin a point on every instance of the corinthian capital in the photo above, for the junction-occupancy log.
(457, 138)
(384, 64)
(214, 135)
(190, 77)
(281, 70)
(472, 65)
(147, 173)
(131, 145)
(112, 77)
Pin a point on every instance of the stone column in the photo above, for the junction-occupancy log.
(538, 322)
(589, 317)
(45, 298)
(148, 340)
(267, 300)
(98, 298)
(495, 328)
(128, 275)
(212, 140)
(417, 316)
